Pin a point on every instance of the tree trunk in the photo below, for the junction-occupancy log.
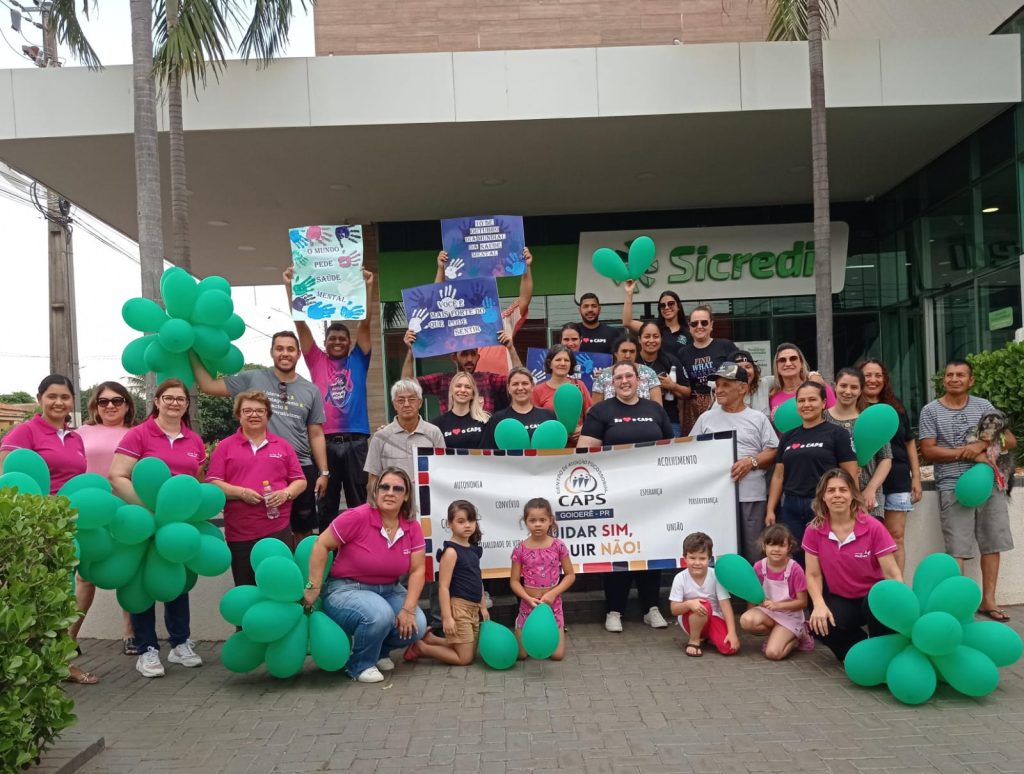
(822, 217)
(147, 151)
(182, 246)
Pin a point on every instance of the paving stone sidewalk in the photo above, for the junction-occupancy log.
(618, 703)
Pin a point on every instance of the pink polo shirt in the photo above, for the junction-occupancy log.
(184, 455)
(235, 462)
(62, 452)
(365, 554)
(850, 569)
(100, 444)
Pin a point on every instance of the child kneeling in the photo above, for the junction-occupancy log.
(704, 608)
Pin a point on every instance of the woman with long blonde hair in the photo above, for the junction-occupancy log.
(463, 423)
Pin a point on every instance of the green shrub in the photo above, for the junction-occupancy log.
(999, 377)
(36, 607)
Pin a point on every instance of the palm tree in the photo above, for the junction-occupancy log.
(810, 20)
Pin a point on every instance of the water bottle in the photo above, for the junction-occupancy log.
(669, 396)
(272, 510)
(672, 374)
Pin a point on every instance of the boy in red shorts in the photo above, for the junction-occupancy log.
(704, 608)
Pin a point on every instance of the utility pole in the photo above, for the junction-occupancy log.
(63, 327)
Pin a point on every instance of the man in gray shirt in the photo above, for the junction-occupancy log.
(298, 417)
(943, 432)
(394, 445)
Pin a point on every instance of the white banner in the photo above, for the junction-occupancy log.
(621, 508)
(702, 264)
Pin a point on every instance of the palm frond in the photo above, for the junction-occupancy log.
(787, 19)
(197, 41)
(267, 33)
(64, 21)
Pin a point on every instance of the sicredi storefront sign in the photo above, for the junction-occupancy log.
(718, 263)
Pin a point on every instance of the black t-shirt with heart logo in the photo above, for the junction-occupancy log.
(531, 420)
(616, 422)
(807, 453)
(460, 432)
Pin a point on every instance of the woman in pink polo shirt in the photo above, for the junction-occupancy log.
(374, 545)
(165, 434)
(260, 475)
(847, 552)
(48, 436)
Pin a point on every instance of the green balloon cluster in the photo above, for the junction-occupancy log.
(873, 429)
(738, 577)
(786, 416)
(498, 645)
(609, 264)
(25, 470)
(540, 632)
(974, 487)
(199, 317)
(936, 637)
(276, 629)
(511, 434)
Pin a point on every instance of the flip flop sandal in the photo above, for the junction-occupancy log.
(130, 648)
(695, 648)
(82, 677)
(996, 614)
(411, 654)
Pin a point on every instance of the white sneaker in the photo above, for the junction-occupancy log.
(370, 675)
(613, 622)
(655, 620)
(386, 665)
(185, 655)
(148, 664)
(488, 602)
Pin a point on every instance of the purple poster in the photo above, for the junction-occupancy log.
(452, 316)
(484, 246)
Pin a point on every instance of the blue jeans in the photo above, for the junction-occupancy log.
(796, 514)
(367, 613)
(176, 619)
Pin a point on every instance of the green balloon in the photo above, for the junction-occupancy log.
(867, 661)
(148, 475)
(180, 368)
(214, 282)
(206, 528)
(133, 596)
(240, 654)
(24, 483)
(608, 264)
(235, 603)
(31, 464)
(302, 552)
(163, 580)
(267, 548)
(176, 335)
(211, 502)
(133, 356)
(550, 434)
(959, 596)
(280, 579)
(968, 671)
(213, 307)
(143, 314)
(996, 640)
(85, 481)
(910, 677)
(568, 406)
(210, 342)
(894, 604)
(269, 620)
(937, 633)
(975, 485)
(641, 256)
(119, 569)
(932, 570)
(213, 557)
(286, 656)
(787, 417)
(95, 544)
(511, 434)
(177, 542)
(328, 643)
(234, 327)
(158, 358)
(231, 363)
(873, 429)
(179, 292)
(177, 500)
(96, 508)
(540, 632)
(132, 524)
(738, 577)
(498, 646)
(191, 579)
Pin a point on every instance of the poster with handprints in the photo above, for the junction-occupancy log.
(588, 364)
(452, 316)
(484, 246)
(328, 279)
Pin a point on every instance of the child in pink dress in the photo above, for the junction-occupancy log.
(781, 616)
(541, 570)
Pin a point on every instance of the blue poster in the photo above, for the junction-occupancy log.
(587, 365)
(452, 316)
(483, 246)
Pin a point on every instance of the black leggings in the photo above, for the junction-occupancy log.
(617, 585)
(851, 616)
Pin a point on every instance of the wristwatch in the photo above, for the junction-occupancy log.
(309, 585)
(325, 473)
(753, 463)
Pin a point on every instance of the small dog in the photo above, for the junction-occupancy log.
(990, 429)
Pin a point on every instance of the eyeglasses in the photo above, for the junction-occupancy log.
(666, 304)
(626, 377)
(174, 399)
(790, 359)
(402, 400)
(700, 323)
(396, 488)
(282, 393)
(115, 402)
(253, 412)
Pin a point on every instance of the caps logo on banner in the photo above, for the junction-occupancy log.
(581, 485)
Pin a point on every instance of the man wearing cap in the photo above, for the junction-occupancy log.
(756, 447)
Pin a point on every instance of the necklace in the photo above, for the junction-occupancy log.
(391, 530)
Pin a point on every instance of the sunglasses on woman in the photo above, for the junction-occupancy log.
(115, 402)
(396, 488)
(700, 323)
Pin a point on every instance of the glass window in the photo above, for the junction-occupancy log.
(999, 237)
(948, 173)
(995, 142)
(947, 235)
(999, 309)
(955, 324)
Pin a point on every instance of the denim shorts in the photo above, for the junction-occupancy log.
(898, 501)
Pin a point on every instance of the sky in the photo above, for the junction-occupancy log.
(105, 262)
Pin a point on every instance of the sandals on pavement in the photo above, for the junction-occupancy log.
(130, 648)
(996, 614)
(81, 677)
(693, 650)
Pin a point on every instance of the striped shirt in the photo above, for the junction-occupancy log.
(949, 428)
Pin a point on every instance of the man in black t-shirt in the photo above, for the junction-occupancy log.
(595, 336)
